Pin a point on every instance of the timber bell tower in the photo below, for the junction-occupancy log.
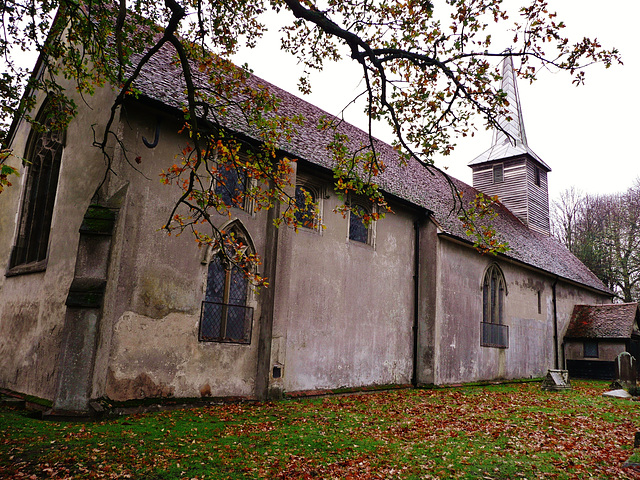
(510, 169)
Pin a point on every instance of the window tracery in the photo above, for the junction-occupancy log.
(225, 315)
(494, 331)
(43, 156)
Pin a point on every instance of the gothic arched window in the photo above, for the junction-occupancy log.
(43, 155)
(225, 316)
(306, 214)
(494, 331)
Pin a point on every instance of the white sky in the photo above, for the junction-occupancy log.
(585, 134)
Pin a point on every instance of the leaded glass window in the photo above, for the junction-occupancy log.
(231, 186)
(493, 292)
(306, 214)
(358, 231)
(590, 349)
(43, 156)
(494, 332)
(225, 316)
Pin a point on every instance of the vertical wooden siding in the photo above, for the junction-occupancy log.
(510, 192)
(538, 200)
(519, 193)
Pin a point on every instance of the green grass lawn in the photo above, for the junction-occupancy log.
(507, 432)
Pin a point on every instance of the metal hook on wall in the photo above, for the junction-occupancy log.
(146, 142)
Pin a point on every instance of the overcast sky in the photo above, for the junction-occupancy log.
(586, 134)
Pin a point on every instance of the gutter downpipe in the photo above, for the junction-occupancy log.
(555, 324)
(416, 289)
(416, 295)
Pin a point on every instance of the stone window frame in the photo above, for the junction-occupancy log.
(247, 183)
(494, 330)
(539, 295)
(317, 191)
(371, 229)
(224, 307)
(43, 160)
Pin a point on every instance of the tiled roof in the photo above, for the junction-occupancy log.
(160, 81)
(614, 320)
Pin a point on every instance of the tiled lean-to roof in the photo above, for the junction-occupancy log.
(161, 81)
(616, 320)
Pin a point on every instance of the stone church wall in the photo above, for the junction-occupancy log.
(149, 346)
(344, 309)
(342, 312)
(32, 305)
(459, 354)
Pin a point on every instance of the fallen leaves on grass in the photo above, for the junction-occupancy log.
(497, 432)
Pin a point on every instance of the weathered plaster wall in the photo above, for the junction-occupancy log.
(347, 316)
(32, 306)
(149, 339)
(460, 357)
(162, 357)
(608, 350)
(428, 303)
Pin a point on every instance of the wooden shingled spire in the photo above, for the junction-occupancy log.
(509, 168)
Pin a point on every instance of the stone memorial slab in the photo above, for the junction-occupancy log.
(626, 370)
(617, 394)
(556, 380)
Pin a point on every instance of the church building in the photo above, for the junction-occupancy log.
(96, 303)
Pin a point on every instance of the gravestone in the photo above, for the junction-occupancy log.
(626, 370)
(556, 380)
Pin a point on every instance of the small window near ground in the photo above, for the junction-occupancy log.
(591, 349)
(498, 173)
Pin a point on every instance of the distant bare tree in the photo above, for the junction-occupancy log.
(603, 231)
(564, 214)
